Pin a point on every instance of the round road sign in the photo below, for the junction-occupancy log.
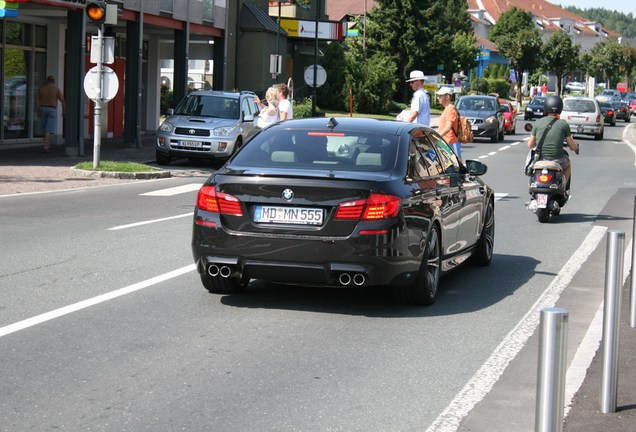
(92, 84)
(321, 75)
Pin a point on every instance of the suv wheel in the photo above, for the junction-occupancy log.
(162, 159)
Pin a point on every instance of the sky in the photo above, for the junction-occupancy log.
(626, 6)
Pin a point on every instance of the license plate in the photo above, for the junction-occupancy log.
(191, 144)
(475, 127)
(539, 112)
(288, 215)
(542, 200)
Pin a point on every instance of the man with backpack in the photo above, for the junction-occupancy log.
(449, 125)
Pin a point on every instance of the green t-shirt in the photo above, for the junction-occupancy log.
(552, 147)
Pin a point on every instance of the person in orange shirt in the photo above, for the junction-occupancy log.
(449, 120)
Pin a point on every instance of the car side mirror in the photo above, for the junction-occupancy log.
(476, 168)
(170, 111)
(248, 118)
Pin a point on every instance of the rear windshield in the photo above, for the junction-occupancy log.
(586, 106)
(209, 106)
(505, 107)
(537, 101)
(475, 104)
(314, 150)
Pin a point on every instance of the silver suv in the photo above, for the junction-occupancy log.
(207, 124)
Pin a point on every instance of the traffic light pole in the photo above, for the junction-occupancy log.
(97, 113)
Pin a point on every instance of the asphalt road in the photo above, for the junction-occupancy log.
(106, 327)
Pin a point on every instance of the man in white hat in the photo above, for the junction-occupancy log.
(420, 106)
(449, 120)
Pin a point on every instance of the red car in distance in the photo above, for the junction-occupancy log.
(510, 117)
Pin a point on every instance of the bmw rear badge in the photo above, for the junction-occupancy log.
(288, 194)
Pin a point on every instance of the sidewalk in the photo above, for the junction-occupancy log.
(29, 169)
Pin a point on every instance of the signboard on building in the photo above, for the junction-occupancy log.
(327, 30)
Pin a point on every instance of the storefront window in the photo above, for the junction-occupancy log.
(166, 5)
(208, 10)
(40, 37)
(15, 93)
(18, 34)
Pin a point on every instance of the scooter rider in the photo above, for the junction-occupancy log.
(552, 148)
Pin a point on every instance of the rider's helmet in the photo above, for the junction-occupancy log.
(553, 105)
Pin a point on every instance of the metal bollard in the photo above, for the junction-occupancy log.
(611, 320)
(632, 304)
(551, 370)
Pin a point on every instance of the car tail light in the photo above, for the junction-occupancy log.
(375, 207)
(598, 118)
(544, 178)
(610, 112)
(209, 199)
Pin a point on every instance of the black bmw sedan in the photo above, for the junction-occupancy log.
(343, 202)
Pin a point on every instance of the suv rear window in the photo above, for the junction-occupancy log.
(209, 106)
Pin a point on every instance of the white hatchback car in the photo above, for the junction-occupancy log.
(584, 116)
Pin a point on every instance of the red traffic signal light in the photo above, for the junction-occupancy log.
(96, 12)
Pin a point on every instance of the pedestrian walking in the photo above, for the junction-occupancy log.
(47, 98)
(285, 108)
(269, 113)
(420, 105)
(448, 126)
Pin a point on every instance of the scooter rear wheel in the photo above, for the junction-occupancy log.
(543, 214)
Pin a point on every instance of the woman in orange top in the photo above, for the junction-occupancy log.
(449, 120)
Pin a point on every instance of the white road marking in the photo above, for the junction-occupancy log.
(174, 190)
(504, 148)
(57, 313)
(499, 196)
(484, 380)
(136, 224)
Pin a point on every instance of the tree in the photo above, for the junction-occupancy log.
(562, 56)
(414, 34)
(605, 60)
(331, 94)
(517, 39)
(462, 55)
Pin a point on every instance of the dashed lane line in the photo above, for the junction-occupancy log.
(66, 310)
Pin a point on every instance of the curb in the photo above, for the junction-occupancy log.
(120, 175)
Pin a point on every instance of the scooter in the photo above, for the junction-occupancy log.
(547, 190)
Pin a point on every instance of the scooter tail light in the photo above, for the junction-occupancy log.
(544, 178)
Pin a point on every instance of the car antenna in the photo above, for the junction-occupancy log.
(332, 123)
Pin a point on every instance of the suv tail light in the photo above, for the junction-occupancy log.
(208, 199)
(375, 207)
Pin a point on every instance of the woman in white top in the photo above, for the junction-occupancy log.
(269, 113)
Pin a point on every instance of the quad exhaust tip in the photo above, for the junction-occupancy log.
(357, 279)
(223, 271)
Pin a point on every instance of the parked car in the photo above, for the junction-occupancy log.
(622, 110)
(584, 116)
(609, 114)
(207, 124)
(485, 116)
(608, 96)
(575, 87)
(510, 117)
(343, 202)
(534, 109)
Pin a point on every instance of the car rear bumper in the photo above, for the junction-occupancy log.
(357, 261)
(586, 129)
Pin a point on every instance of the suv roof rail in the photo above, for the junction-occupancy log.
(247, 92)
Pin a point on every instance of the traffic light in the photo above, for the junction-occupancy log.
(96, 12)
